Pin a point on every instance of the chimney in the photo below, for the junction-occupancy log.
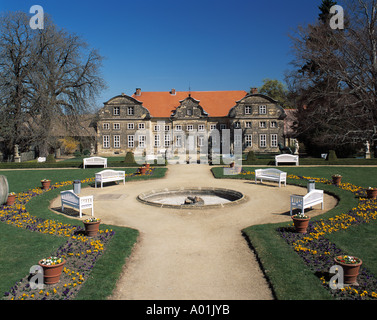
(172, 92)
(138, 92)
(254, 90)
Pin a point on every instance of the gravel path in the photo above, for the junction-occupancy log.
(193, 254)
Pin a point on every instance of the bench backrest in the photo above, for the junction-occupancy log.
(269, 172)
(95, 159)
(70, 196)
(110, 173)
(288, 157)
(313, 195)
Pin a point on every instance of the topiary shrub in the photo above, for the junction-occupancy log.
(332, 156)
(251, 157)
(129, 158)
(50, 159)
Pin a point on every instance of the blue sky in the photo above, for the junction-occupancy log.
(157, 45)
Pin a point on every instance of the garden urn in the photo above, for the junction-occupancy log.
(301, 224)
(143, 170)
(336, 179)
(52, 273)
(91, 227)
(11, 199)
(46, 184)
(372, 193)
(351, 267)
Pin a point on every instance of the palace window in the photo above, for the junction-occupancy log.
(237, 125)
(131, 141)
(189, 112)
(106, 142)
(247, 110)
(274, 140)
(116, 126)
(157, 140)
(200, 141)
(262, 109)
(142, 140)
(213, 127)
(190, 127)
(248, 140)
(130, 126)
(274, 124)
(248, 124)
(156, 128)
(263, 141)
(106, 126)
(167, 140)
(201, 127)
(167, 128)
(178, 141)
(222, 126)
(116, 141)
(178, 127)
(116, 111)
(263, 125)
(237, 141)
(141, 126)
(130, 111)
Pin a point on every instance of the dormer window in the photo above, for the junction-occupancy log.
(116, 111)
(262, 109)
(247, 110)
(189, 112)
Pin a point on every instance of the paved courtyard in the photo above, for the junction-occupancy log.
(193, 254)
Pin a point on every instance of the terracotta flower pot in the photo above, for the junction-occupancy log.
(372, 193)
(336, 180)
(301, 225)
(350, 271)
(91, 228)
(51, 274)
(11, 199)
(143, 170)
(46, 184)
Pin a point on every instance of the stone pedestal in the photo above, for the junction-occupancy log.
(367, 155)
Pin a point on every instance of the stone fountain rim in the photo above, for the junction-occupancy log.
(145, 195)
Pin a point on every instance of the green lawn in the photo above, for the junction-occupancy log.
(19, 247)
(289, 276)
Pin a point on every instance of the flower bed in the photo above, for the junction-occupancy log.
(318, 252)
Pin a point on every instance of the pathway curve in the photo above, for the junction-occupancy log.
(197, 254)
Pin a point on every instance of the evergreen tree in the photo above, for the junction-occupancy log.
(325, 10)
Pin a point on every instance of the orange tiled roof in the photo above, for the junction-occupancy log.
(215, 103)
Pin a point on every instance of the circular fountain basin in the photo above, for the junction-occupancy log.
(192, 198)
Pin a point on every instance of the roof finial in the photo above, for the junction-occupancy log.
(189, 89)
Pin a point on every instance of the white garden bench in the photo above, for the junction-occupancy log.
(286, 158)
(95, 161)
(41, 159)
(69, 198)
(313, 198)
(110, 176)
(271, 175)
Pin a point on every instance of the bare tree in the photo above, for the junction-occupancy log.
(335, 78)
(59, 82)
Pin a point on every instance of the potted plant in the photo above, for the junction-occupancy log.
(372, 193)
(147, 165)
(46, 184)
(301, 222)
(91, 226)
(336, 179)
(52, 269)
(143, 170)
(11, 199)
(351, 267)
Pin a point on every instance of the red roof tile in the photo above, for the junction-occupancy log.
(215, 103)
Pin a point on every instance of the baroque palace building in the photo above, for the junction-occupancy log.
(174, 121)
